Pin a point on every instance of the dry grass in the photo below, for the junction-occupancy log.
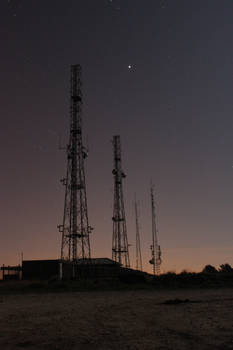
(117, 320)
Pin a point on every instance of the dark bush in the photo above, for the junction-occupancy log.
(209, 269)
(225, 268)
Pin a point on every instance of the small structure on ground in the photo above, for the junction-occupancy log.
(58, 269)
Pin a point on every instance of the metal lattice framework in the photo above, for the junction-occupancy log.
(120, 247)
(75, 228)
(155, 248)
(138, 243)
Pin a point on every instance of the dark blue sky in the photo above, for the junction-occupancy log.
(173, 110)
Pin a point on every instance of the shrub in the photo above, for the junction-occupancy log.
(225, 268)
(209, 269)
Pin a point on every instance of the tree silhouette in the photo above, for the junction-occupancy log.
(226, 268)
(209, 269)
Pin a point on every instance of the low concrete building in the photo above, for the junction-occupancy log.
(40, 269)
(82, 268)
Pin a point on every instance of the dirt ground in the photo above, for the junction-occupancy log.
(118, 320)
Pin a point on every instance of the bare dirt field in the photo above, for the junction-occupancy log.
(118, 320)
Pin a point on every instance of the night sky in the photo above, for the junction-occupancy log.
(173, 110)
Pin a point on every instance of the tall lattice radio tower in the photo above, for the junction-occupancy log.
(75, 228)
(155, 247)
(120, 247)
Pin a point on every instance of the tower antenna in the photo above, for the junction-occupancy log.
(120, 247)
(75, 228)
(138, 244)
(155, 247)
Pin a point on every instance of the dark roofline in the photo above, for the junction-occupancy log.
(103, 261)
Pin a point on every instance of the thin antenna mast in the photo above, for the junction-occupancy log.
(120, 247)
(138, 244)
(155, 248)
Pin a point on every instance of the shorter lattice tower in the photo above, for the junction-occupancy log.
(138, 243)
(75, 228)
(155, 247)
(120, 247)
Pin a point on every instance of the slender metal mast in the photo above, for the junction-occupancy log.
(120, 247)
(75, 228)
(155, 248)
(138, 244)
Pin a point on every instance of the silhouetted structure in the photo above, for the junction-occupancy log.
(155, 248)
(11, 272)
(98, 268)
(138, 243)
(40, 269)
(120, 251)
(75, 228)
